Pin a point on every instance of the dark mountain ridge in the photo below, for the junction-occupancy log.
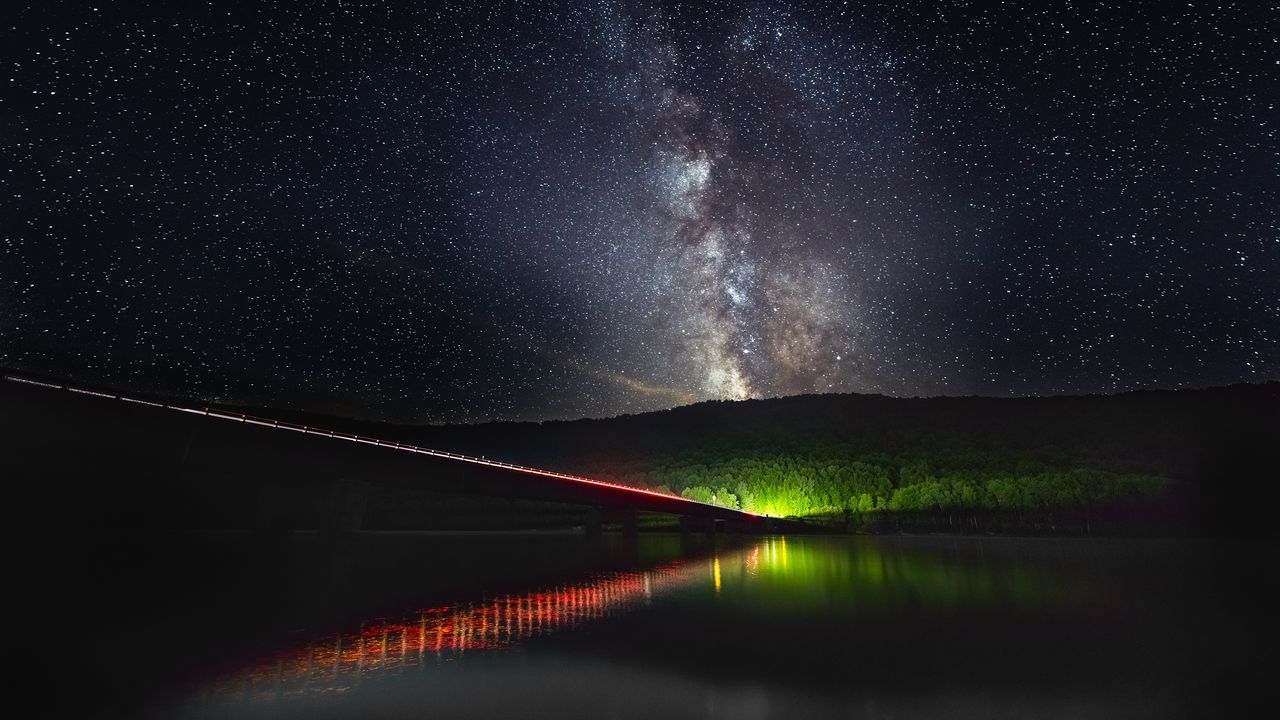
(1213, 449)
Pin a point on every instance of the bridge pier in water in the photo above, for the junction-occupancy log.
(697, 524)
(343, 514)
(594, 524)
(627, 518)
(630, 523)
(335, 510)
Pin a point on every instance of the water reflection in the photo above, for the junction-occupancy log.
(891, 573)
(796, 579)
(339, 662)
(782, 627)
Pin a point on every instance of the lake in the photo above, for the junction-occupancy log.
(566, 626)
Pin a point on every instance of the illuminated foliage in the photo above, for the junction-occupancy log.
(800, 484)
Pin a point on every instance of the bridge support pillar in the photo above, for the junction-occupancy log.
(693, 524)
(343, 513)
(762, 527)
(266, 512)
(594, 523)
(630, 523)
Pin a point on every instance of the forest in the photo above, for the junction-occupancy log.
(1166, 458)
(1161, 460)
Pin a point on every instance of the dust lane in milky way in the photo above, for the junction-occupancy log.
(569, 209)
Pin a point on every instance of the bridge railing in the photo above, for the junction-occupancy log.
(378, 442)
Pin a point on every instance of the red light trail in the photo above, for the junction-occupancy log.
(386, 444)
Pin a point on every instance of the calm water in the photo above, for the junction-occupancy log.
(393, 626)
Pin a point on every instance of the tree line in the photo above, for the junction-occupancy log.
(800, 485)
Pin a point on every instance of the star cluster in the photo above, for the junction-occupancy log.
(471, 211)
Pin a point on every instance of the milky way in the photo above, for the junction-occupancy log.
(529, 211)
(748, 307)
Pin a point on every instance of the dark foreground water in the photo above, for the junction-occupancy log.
(538, 626)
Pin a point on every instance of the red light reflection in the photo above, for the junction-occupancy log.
(338, 662)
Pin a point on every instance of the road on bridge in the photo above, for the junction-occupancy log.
(64, 427)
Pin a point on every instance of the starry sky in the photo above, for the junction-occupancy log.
(474, 211)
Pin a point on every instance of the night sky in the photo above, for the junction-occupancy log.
(541, 210)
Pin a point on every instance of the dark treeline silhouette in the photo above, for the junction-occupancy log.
(1151, 460)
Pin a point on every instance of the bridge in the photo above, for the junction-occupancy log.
(65, 433)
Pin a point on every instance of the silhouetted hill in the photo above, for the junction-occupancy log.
(1214, 450)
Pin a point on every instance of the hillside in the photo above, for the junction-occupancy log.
(824, 454)
(1183, 458)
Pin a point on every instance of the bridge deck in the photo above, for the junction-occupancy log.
(619, 493)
